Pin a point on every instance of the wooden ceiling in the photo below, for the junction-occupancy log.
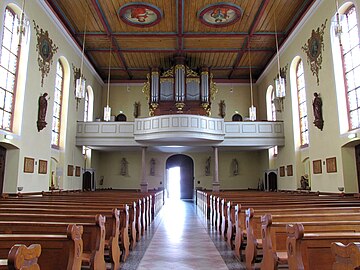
(134, 49)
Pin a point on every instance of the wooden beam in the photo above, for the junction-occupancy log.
(254, 25)
(107, 28)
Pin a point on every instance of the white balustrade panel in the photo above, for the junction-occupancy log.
(179, 128)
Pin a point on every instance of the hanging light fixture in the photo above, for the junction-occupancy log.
(338, 27)
(279, 80)
(252, 109)
(107, 109)
(80, 84)
(21, 26)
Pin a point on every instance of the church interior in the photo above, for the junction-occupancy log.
(201, 100)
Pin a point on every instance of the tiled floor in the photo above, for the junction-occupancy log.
(180, 238)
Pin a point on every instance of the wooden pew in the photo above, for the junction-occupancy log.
(136, 205)
(22, 257)
(84, 207)
(312, 251)
(240, 215)
(253, 224)
(93, 236)
(274, 237)
(346, 256)
(58, 252)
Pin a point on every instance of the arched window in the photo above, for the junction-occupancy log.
(273, 108)
(274, 150)
(8, 68)
(301, 93)
(56, 124)
(86, 107)
(351, 65)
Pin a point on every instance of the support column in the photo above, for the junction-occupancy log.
(216, 184)
(143, 184)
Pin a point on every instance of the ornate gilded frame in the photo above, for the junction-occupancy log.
(313, 49)
(46, 50)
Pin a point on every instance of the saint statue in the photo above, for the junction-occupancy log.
(317, 107)
(207, 166)
(41, 123)
(124, 167)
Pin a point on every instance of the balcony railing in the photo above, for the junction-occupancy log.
(179, 130)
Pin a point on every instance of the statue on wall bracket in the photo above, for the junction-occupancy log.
(41, 123)
(313, 48)
(317, 107)
(46, 49)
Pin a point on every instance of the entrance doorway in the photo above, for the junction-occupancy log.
(181, 176)
(174, 183)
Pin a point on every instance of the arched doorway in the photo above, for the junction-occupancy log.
(270, 181)
(186, 165)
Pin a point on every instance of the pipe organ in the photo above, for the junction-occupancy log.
(180, 90)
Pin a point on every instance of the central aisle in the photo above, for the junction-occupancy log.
(181, 241)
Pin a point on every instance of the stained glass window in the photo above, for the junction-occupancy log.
(59, 82)
(8, 68)
(300, 83)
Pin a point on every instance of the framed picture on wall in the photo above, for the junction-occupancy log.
(29, 164)
(42, 166)
(289, 170)
(282, 171)
(331, 165)
(317, 169)
(70, 171)
(77, 171)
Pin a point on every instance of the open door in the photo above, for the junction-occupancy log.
(186, 165)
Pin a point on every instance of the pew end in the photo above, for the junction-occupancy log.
(23, 257)
(346, 256)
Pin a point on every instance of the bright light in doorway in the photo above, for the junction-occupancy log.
(174, 183)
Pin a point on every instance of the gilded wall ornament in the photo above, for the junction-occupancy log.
(313, 48)
(46, 49)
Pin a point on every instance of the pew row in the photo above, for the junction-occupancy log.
(274, 237)
(58, 252)
(93, 236)
(313, 250)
